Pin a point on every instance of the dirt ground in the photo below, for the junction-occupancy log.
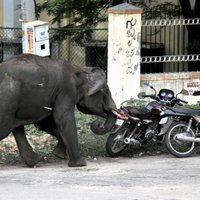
(160, 177)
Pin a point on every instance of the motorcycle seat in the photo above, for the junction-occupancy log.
(186, 111)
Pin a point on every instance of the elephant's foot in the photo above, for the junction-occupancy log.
(77, 163)
(25, 149)
(33, 160)
(59, 152)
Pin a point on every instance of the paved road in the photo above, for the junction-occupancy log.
(145, 178)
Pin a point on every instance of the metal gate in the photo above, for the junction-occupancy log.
(165, 46)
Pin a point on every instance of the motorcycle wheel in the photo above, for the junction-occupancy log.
(178, 148)
(115, 142)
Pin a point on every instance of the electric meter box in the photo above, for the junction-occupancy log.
(35, 39)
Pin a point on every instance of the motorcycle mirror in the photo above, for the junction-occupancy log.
(185, 92)
(147, 84)
(141, 95)
(151, 86)
(196, 93)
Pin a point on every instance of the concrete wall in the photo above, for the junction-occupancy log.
(174, 81)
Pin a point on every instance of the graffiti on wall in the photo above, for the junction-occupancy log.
(131, 46)
(192, 86)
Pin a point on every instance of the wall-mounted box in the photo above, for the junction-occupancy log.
(35, 39)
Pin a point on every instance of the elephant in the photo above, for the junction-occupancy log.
(45, 92)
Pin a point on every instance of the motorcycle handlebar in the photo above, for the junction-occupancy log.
(179, 100)
(180, 104)
(151, 96)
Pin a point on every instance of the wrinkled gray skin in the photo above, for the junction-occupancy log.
(41, 91)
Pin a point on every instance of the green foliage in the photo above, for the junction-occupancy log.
(31, 130)
(85, 15)
(194, 106)
(134, 102)
(159, 10)
(82, 16)
(8, 151)
(80, 12)
(91, 145)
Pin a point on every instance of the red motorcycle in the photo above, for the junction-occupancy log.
(138, 125)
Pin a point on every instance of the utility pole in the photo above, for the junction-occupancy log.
(28, 10)
(28, 14)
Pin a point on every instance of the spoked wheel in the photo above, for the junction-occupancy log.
(115, 142)
(176, 146)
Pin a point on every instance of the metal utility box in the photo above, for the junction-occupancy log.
(36, 38)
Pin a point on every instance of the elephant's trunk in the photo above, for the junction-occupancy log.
(100, 129)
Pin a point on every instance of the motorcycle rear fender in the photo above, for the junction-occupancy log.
(166, 126)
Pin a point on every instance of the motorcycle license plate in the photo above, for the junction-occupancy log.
(119, 122)
(163, 120)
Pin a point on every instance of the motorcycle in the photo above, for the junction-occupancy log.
(182, 130)
(138, 125)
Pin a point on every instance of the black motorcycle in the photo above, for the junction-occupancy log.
(138, 125)
(182, 130)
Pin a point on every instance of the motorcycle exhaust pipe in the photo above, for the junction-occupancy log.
(187, 138)
(127, 140)
(131, 141)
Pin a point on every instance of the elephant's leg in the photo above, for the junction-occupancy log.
(26, 152)
(65, 121)
(60, 150)
(48, 125)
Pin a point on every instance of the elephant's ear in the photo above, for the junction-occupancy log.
(96, 79)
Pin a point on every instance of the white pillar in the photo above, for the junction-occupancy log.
(124, 44)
